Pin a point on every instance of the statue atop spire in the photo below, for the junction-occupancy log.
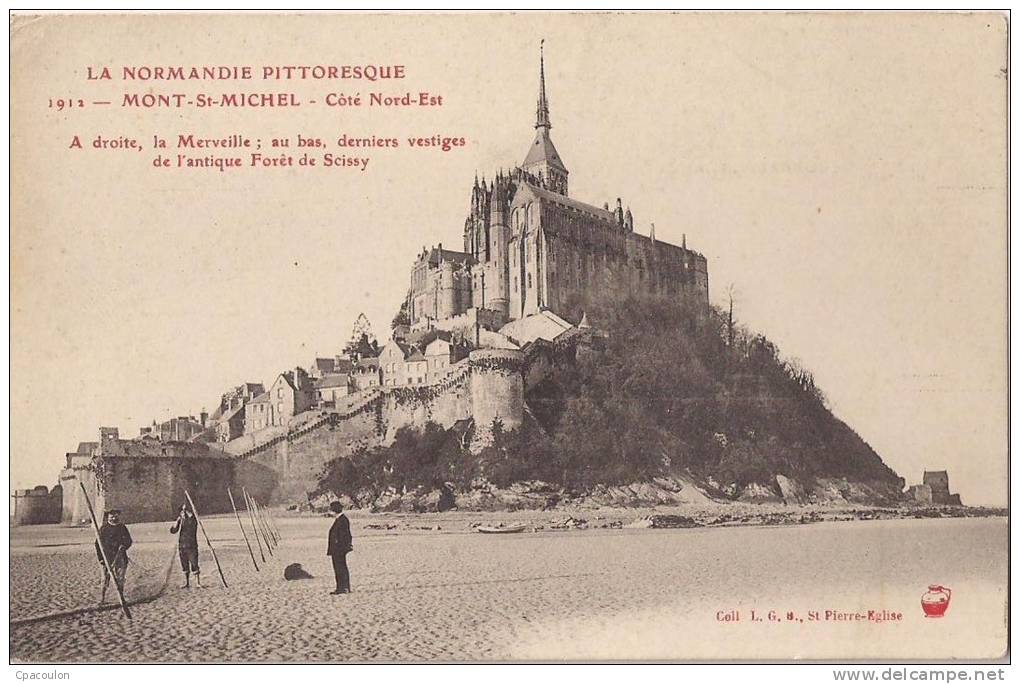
(542, 115)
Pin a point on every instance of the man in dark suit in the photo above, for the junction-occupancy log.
(340, 544)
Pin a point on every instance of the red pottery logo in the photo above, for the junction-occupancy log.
(935, 601)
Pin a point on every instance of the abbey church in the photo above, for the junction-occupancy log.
(529, 247)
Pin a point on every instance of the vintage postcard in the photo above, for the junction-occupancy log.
(508, 337)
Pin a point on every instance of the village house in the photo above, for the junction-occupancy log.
(322, 366)
(180, 429)
(290, 394)
(231, 424)
(440, 357)
(392, 360)
(366, 373)
(331, 387)
(415, 368)
(238, 396)
(227, 420)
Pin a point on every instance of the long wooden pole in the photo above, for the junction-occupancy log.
(243, 533)
(258, 519)
(102, 552)
(206, 535)
(255, 531)
(271, 524)
(276, 527)
(265, 526)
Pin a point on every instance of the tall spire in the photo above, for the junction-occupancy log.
(542, 116)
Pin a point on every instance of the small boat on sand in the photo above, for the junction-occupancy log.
(500, 529)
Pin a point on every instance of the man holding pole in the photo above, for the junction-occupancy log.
(116, 540)
(340, 544)
(186, 528)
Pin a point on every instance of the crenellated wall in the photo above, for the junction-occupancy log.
(288, 467)
(37, 506)
(146, 479)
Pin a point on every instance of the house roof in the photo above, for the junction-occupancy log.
(368, 363)
(404, 348)
(439, 346)
(233, 413)
(323, 365)
(332, 380)
(415, 355)
(542, 325)
(488, 339)
(260, 399)
(86, 448)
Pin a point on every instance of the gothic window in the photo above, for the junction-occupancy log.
(515, 283)
(529, 281)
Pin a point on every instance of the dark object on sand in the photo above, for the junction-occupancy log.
(294, 571)
(499, 529)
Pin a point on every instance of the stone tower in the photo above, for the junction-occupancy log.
(542, 159)
(495, 287)
(497, 391)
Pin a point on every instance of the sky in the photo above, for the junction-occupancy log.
(845, 173)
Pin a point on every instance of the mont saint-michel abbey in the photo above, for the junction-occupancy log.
(529, 247)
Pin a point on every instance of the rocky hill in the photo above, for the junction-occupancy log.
(668, 403)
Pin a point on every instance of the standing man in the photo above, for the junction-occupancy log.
(186, 528)
(340, 544)
(116, 541)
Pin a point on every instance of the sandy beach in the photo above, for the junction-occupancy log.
(427, 587)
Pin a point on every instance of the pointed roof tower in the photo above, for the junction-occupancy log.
(542, 158)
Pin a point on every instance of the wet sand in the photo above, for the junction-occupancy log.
(453, 595)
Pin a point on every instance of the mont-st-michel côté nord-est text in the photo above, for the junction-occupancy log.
(369, 73)
(273, 73)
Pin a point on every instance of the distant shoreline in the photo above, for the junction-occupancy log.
(572, 518)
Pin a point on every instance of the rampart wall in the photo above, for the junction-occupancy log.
(37, 506)
(287, 467)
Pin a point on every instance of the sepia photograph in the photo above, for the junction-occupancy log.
(520, 337)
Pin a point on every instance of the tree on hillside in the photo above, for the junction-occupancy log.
(363, 342)
(403, 316)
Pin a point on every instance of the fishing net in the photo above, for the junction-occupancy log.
(47, 586)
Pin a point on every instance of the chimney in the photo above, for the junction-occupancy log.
(203, 417)
(297, 377)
